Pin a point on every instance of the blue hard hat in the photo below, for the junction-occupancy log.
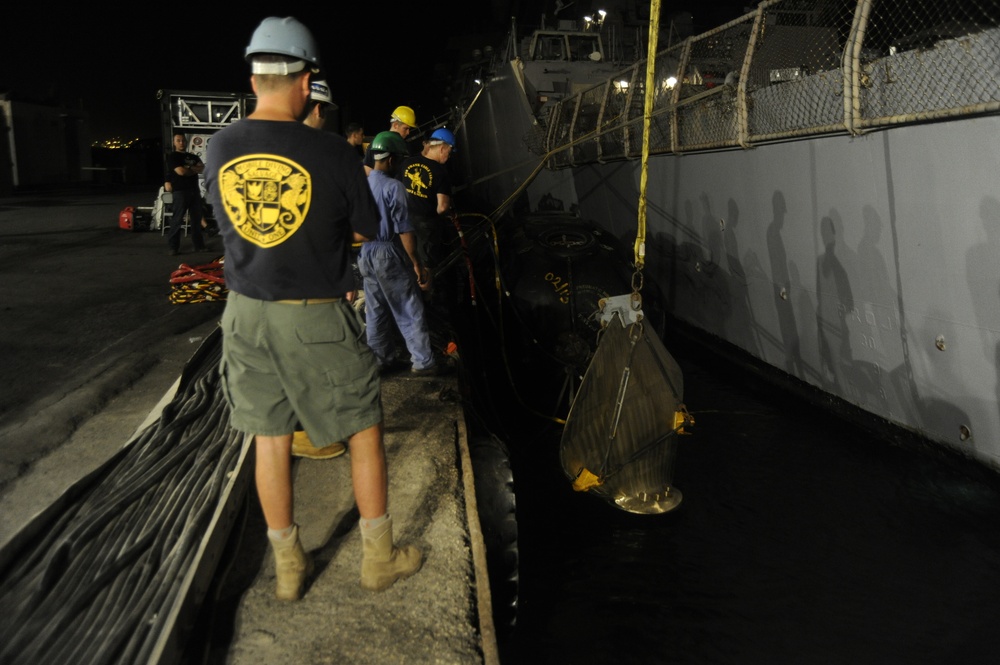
(443, 135)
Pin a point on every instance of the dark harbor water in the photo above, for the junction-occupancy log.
(800, 539)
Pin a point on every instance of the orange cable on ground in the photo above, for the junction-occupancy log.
(205, 282)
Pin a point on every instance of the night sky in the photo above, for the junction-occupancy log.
(110, 59)
(111, 62)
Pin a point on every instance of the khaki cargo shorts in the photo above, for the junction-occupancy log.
(298, 364)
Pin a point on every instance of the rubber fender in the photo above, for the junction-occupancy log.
(494, 480)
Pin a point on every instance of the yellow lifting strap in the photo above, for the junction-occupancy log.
(647, 117)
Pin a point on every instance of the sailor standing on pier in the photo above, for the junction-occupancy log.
(290, 201)
(402, 121)
(428, 195)
(392, 272)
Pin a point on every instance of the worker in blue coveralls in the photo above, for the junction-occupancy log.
(393, 276)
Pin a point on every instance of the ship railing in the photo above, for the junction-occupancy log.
(788, 70)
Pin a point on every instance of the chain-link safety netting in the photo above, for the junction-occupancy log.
(789, 69)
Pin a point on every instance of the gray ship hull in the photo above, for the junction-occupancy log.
(850, 246)
(863, 266)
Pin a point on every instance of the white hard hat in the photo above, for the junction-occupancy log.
(319, 91)
(283, 36)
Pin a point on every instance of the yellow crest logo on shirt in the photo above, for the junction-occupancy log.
(266, 197)
(420, 178)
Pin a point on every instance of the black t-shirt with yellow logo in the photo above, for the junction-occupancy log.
(424, 179)
(287, 197)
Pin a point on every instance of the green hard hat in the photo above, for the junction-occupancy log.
(388, 143)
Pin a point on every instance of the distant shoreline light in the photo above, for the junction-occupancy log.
(114, 143)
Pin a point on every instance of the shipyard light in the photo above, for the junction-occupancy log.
(671, 82)
(621, 86)
(591, 21)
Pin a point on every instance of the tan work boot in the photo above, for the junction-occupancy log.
(291, 566)
(382, 563)
(302, 446)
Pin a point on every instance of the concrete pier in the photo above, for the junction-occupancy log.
(431, 617)
(114, 366)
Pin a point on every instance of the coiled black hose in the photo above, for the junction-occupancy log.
(98, 583)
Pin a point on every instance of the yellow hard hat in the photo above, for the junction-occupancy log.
(405, 115)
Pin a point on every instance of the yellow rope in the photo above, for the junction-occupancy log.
(647, 115)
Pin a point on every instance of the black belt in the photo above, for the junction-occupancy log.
(309, 301)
